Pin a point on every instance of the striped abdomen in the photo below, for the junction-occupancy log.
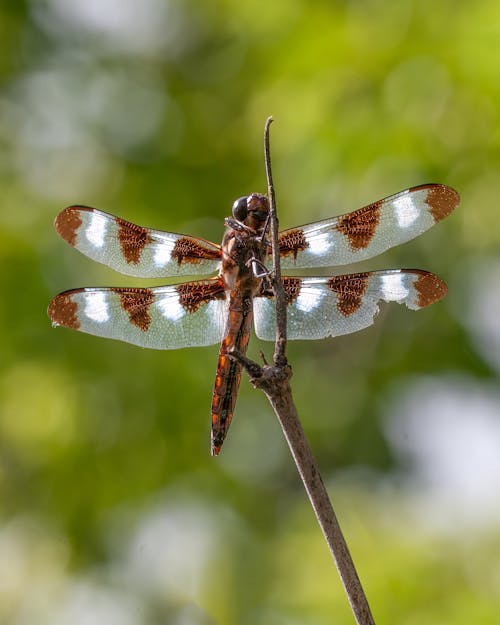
(228, 375)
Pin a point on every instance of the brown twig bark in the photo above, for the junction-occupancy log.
(274, 381)
(279, 292)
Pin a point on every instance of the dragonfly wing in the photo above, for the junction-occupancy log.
(168, 317)
(369, 231)
(135, 250)
(332, 306)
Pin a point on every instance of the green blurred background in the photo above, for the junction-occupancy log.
(111, 509)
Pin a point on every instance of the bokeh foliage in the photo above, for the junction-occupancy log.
(111, 508)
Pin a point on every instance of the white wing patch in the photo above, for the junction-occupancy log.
(406, 211)
(162, 253)
(320, 243)
(96, 308)
(393, 287)
(171, 308)
(309, 299)
(96, 230)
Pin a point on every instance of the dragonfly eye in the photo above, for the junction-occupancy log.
(240, 210)
(260, 215)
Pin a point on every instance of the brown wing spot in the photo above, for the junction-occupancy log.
(63, 310)
(360, 226)
(193, 294)
(442, 200)
(133, 239)
(292, 288)
(349, 291)
(430, 289)
(68, 222)
(188, 250)
(292, 242)
(136, 303)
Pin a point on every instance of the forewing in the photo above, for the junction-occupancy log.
(132, 249)
(168, 317)
(368, 231)
(322, 307)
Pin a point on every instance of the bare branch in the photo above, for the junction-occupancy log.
(284, 407)
(274, 381)
(279, 292)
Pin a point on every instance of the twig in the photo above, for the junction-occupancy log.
(278, 290)
(274, 381)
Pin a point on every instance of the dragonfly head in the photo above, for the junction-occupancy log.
(251, 210)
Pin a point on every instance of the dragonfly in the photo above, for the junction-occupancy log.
(222, 308)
